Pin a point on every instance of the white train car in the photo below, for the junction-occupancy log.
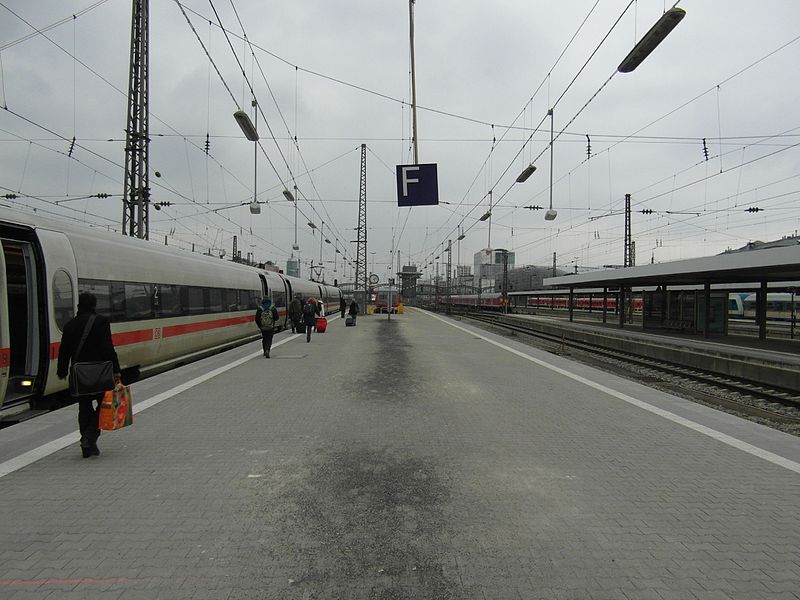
(166, 305)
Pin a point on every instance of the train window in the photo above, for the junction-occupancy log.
(214, 300)
(63, 308)
(101, 291)
(137, 301)
(255, 299)
(230, 300)
(167, 300)
(117, 308)
(279, 298)
(194, 303)
(243, 299)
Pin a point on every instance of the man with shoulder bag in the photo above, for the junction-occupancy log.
(87, 344)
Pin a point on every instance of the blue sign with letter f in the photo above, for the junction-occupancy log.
(417, 185)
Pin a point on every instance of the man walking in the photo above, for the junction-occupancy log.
(309, 317)
(295, 312)
(87, 338)
(266, 319)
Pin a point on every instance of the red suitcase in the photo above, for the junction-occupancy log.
(322, 324)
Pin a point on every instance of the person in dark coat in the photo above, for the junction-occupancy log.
(342, 306)
(309, 317)
(353, 310)
(267, 325)
(295, 312)
(97, 347)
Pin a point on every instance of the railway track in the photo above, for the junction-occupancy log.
(773, 405)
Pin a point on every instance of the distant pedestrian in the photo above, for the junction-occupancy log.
(87, 338)
(266, 319)
(342, 305)
(309, 317)
(295, 312)
(353, 310)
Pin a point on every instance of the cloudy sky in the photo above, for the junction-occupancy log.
(336, 74)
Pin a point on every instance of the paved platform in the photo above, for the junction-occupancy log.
(416, 457)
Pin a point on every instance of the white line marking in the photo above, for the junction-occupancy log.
(23, 460)
(712, 433)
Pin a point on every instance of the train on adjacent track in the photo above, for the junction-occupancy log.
(387, 299)
(741, 305)
(167, 306)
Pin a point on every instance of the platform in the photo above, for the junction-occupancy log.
(411, 457)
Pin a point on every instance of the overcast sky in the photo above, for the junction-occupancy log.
(338, 76)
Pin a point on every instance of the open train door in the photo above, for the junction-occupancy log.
(5, 341)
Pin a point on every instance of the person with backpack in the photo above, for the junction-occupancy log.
(309, 317)
(353, 312)
(296, 313)
(267, 320)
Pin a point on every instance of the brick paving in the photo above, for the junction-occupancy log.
(402, 459)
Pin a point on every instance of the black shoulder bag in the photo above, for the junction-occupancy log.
(90, 378)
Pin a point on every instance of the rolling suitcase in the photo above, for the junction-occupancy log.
(300, 328)
(349, 321)
(322, 324)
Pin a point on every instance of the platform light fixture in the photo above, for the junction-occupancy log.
(652, 39)
(461, 237)
(486, 216)
(255, 208)
(523, 177)
(288, 195)
(243, 119)
(310, 224)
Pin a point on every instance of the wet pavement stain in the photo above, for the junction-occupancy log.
(389, 375)
(364, 523)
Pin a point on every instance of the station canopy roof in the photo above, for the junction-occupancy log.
(753, 266)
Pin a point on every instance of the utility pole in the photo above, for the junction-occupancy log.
(136, 196)
(505, 280)
(361, 242)
(554, 265)
(413, 81)
(449, 271)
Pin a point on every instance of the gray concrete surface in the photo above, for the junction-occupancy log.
(406, 459)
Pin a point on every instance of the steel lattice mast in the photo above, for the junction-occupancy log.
(136, 198)
(361, 243)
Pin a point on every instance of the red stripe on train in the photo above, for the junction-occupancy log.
(5, 357)
(145, 335)
(172, 330)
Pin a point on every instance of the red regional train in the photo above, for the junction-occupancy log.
(387, 299)
(166, 306)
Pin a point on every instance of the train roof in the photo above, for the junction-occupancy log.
(100, 254)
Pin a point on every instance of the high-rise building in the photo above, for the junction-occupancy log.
(489, 264)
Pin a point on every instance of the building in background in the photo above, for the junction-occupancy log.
(489, 268)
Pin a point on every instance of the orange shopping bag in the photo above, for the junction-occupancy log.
(116, 409)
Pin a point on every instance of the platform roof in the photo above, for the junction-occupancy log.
(772, 264)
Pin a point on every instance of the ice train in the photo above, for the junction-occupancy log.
(166, 305)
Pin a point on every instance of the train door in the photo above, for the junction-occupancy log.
(279, 295)
(20, 358)
(322, 299)
(5, 341)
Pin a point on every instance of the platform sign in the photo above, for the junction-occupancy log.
(417, 185)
